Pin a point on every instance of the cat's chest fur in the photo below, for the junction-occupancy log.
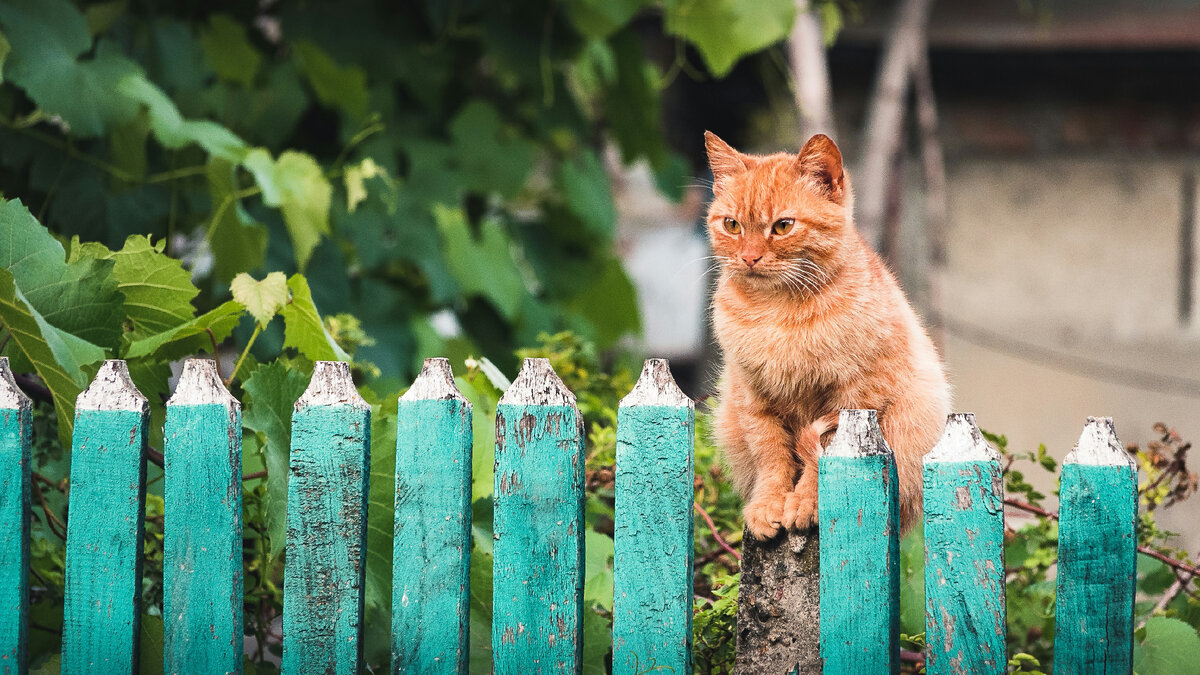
(791, 354)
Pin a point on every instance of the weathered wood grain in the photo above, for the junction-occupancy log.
(965, 620)
(431, 557)
(323, 580)
(1097, 555)
(860, 550)
(202, 525)
(652, 585)
(537, 574)
(102, 605)
(15, 422)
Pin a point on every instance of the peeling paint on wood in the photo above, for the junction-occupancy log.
(432, 551)
(652, 603)
(860, 551)
(1097, 555)
(15, 424)
(965, 620)
(102, 604)
(202, 525)
(323, 580)
(537, 574)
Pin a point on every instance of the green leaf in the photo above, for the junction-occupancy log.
(5, 48)
(632, 103)
(303, 329)
(1170, 647)
(153, 378)
(28, 334)
(483, 398)
(229, 50)
(598, 571)
(158, 291)
(127, 145)
(335, 86)
(493, 157)
(238, 243)
(726, 30)
(192, 337)
(261, 298)
(585, 187)
(484, 266)
(601, 18)
(172, 130)
(150, 646)
(597, 643)
(381, 504)
(271, 391)
(47, 38)
(295, 184)
(78, 299)
(608, 303)
(101, 16)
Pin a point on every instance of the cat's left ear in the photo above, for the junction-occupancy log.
(820, 161)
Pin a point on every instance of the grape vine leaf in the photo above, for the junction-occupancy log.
(585, 188)
(48, 39)
(382, 502)
(598, 570)
(27, 333)
(490, 155)
(78, 300)
(302, 326)
(238, 243)
(271, 391)
(1170, 647)
(158, 291)
(263, 299)
(295, 184)
(197, 335)
(601, 18)
(172, 130)
(229, 51)
(726, 30)
(486, 266)
(335, 86)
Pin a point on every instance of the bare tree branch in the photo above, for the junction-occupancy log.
(885, 118)
(810, 74)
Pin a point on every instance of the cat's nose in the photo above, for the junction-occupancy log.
(749, 260)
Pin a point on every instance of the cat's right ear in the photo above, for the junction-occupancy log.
(722, 158)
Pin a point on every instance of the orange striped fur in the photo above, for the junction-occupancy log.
(810, 321)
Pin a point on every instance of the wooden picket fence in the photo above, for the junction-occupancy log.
(539, 533)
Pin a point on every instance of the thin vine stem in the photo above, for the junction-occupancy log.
(258, 328)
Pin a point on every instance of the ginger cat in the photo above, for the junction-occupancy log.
(810, 321)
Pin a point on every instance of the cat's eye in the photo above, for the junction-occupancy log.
(783, 226)
(732, 226)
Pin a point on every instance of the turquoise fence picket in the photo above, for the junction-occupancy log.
(537, 574)
(431, 556)
(102, 604)
(1097, 555)
(860, 550)
(325, 564)
(965, 620)
(652, 564)
(202, 525)
(15, 422)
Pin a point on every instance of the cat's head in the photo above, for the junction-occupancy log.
(779, 220)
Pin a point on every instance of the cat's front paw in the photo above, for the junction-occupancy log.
(800, 511)
(764, 515)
